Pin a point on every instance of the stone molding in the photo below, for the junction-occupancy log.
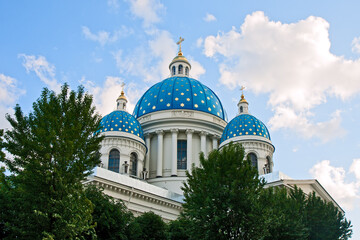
(182, 113)
(134, 193)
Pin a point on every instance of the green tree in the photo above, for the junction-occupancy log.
(293, 215)
(111, 218)
(3, 205)
(54, 148)
(147, 226)
(178, 229)
(325, 221)
(287, 219)
(222, 197)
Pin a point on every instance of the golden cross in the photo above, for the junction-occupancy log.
(122, 85)
(179, 43)
(242, 89)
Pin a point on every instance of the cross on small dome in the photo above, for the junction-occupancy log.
(243, 105)
(180, 66)
(121, 100)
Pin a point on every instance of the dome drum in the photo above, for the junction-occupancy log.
(254, 137)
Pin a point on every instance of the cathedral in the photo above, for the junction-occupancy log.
(145, 155)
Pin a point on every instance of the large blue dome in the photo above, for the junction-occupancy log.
(121, 121)
(179, 93)
(245, 125)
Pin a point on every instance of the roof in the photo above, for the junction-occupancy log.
(245, 125)
(179, 93)
(121, 121)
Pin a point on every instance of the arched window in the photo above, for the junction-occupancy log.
(133, 164)
(268, 165)
(187, 71)
(253, 159)
(181, 69)
(173, 70)
(114, 160)
(241, 109)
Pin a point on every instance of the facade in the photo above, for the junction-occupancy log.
(144, 156)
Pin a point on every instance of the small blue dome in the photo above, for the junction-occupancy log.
(245, 125)
(179, 93)
(121, 121)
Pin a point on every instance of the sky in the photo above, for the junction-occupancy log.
(299, 62)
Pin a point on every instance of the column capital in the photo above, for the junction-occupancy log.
(189, 131)
(174, 130)
(203, 133)
(160, 132)
(214, 136)
(147, 135)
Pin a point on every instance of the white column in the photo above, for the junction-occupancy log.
(147, 143)
(215, 142)
(159, 163)
(189, 134)
(174, 133)
(203, 142)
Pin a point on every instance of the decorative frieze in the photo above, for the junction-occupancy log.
(219, 121)
(182, 113)
(144, 119)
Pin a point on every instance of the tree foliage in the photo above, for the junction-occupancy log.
(325, 221)
(179, 229)
(297, 216)
(110, 216)
(222, 197)
(54, 148)
(286, 214)
(147, 226)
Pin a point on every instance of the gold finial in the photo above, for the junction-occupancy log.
(122, 95)
(179, 43)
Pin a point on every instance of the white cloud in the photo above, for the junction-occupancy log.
(286, 117)
(43, 69)
(148, 10)
(199, 42)
(209, 18)
(9, 94)
(333, 179)
(105, 96)
(196, 69)
(103, 37)
(151, 62)
(356, 45)
(114, 4)
(355, 168)
(290, 62)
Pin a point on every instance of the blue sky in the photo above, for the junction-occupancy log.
(299, 61)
